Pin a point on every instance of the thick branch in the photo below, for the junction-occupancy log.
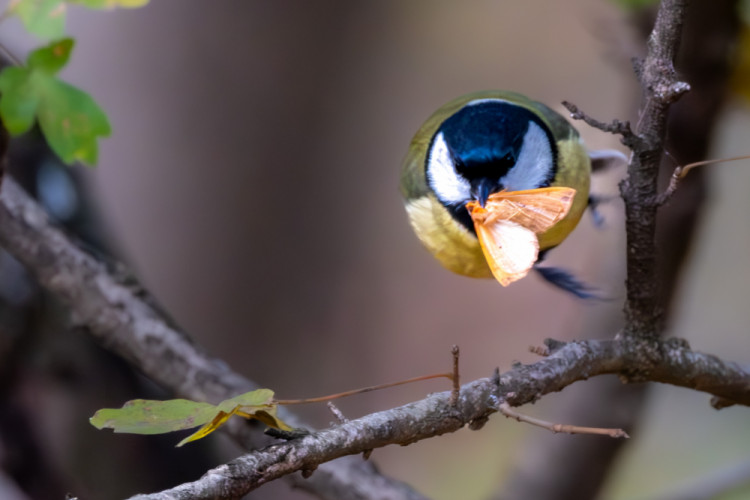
(670, 362)
(118, 313)
(639, 190)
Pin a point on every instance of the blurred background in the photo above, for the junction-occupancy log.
(252, 184)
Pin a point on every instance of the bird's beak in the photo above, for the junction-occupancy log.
(481, 190)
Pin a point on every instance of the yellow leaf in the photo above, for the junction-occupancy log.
(207, 429)
(128, 4)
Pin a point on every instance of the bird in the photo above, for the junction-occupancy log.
(492, 181)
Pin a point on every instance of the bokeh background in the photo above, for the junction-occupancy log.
(251, 182)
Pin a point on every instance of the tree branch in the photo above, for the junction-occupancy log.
(661, 87)
(553, 468)
(119, 314)
(669, 362)
(120, 318)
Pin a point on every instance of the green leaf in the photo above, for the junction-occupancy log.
(635, 4)
(44, 18)
(53, 58)
(69, 118)
(253, 399)
(110, 4)
(142, 416)
(157, 417)
(71, 121)
(18, 101)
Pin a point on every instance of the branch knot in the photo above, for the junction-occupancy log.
(671, 92)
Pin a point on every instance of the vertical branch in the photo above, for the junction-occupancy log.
(661, 88)
(552, 468)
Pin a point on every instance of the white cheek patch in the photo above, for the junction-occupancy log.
(534, 165)
(449, 187)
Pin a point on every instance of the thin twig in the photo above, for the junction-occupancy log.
(456, 377)
(539, 350)
(8, 55)
(509, 412)
(681, 171)
(363, 390)
(340, 418)
(618, 127)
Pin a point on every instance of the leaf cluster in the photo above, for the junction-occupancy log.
(69, 118)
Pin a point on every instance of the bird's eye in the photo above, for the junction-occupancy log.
(509, 159)
(460, 166)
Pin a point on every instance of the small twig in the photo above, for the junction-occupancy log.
(554, 345)
(677, 175)
(681, 171)
(456, 378)
(719, 403)
(337, 413)
(307, 473)
(363, 390)
(342, 420)
(539, 350)
(8, 55)
(506, 410)
(618, 127)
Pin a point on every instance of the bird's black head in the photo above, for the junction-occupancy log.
(487, 146)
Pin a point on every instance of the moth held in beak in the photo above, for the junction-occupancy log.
(509, 222)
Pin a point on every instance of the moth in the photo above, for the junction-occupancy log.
(509, 223)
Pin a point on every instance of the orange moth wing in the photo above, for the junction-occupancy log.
(535, 209)
(510, 249)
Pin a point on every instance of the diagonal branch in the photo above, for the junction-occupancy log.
(669, 362)
(119, 314)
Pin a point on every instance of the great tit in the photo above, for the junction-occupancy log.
(495, 145)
